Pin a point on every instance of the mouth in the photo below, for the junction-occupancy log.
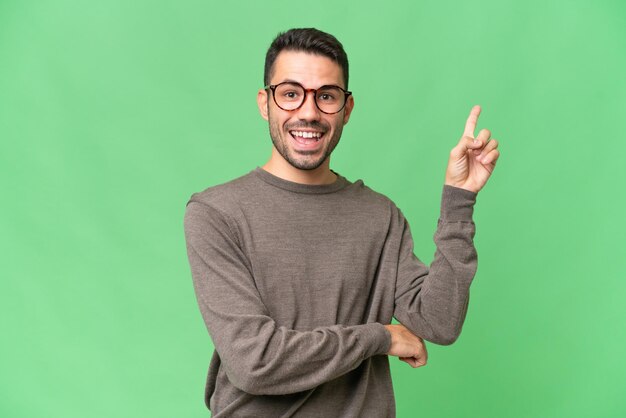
(307, 139)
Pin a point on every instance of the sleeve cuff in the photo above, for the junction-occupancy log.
(457, 204)
(375, 339)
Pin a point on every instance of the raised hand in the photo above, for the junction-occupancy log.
(473, 159)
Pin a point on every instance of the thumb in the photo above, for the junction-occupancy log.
(466, 143)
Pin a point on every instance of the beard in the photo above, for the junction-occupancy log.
(303, 160)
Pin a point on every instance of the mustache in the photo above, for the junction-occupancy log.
(311, 125)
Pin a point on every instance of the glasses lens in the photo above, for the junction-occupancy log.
(289, 96)
(330, 99)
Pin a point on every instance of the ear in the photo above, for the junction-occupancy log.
(261, 100)
(348, 109)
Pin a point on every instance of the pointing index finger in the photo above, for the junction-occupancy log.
(470, 125)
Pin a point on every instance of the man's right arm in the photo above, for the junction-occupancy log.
(259, 356)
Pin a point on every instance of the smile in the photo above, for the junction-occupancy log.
(306, 134)
(307, 139)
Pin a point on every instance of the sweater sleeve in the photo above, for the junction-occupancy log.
(432, 301)
(259, 356)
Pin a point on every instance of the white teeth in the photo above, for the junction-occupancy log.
(303, 134)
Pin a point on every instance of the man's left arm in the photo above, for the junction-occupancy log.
(432, 301)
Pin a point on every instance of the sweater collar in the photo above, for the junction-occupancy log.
(270, 178)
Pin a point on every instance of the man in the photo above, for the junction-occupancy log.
(298, 271)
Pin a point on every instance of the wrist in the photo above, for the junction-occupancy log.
(461, 186)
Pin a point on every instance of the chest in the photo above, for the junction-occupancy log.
(315, 264)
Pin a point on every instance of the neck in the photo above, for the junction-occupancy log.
(284, 170)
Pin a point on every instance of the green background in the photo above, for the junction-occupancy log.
(113, 113)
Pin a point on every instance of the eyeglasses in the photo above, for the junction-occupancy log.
(291, 95)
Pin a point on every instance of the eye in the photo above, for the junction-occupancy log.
(290, 94)
(329, 95)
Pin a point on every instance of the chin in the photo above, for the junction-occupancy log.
(308, 166)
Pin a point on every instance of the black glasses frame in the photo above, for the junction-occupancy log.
(306, 91)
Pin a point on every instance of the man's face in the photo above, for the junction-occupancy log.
(311, 71)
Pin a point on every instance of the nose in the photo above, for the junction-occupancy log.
(309, 110)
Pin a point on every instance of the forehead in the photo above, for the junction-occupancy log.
(310, 70)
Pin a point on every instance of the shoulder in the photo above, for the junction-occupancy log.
(366, 192)
(224, 197)
(216, 207)
(371, 200)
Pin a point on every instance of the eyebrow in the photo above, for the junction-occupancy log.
(289, 80)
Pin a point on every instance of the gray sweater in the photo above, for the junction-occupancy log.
(295, 283)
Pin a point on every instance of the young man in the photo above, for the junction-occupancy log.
(298, 271)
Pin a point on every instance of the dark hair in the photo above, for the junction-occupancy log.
(308, 40)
